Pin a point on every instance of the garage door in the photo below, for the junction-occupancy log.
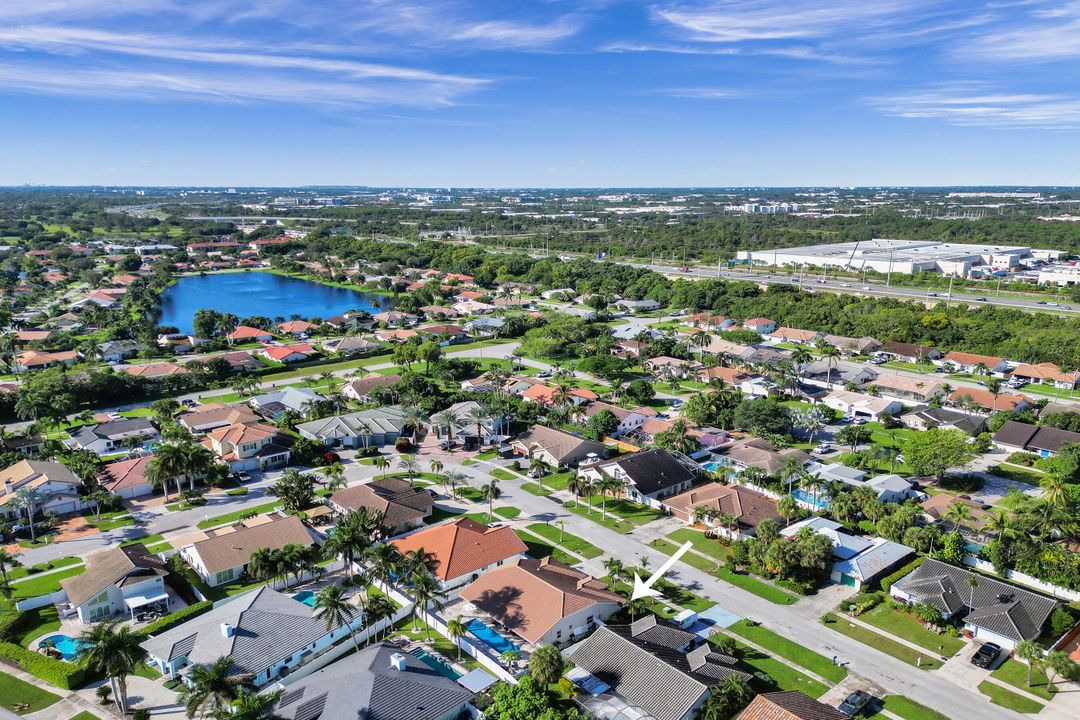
(847, 580)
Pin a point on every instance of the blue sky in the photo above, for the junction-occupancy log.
(543, 93)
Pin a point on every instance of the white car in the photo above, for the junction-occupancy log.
(865, 287)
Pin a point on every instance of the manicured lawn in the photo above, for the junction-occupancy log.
(907, 709)
(145, 540)
(85, 715)
(624, 509)
(907, 627)
(43, 584)
(507, 512)
(105, 525)
(571, 542)
(237, 491)
(535, 489)
(779, 645)
(16, 693)
(505, 475)
(21, 572)
(678, 595)
(559, 480)
(442, 645)
(702, 544)
(762, 589)
(925, 661)
(1051, 391)
(784, 676)
(611, 523)
(1015, 672)
(1016, 473)
(235, 516)
(36, 623)
(1007, 699)
(470, 493)
(541, 548)
(439, 514)
(910, 367)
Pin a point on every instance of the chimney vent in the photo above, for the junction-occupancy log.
(397, 662)
(227, 630)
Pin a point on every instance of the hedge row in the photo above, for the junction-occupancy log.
(173, 619)
(888, 580)
(62, 674)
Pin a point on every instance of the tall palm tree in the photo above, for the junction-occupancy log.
(447, 420)
(1055, 490)
(378, 608)
(262, 565)
(115, 651)
(335, 476)
(1060, 665)
(1030, 652)
(28, 499)
(800, 357)
(436, 467)
(409, 464)
(831, 354)
(972, 583)
(477, 417)
(578, 484)
(453, 478)
(615, 570)
(959, 515)
(332, 605)
(384, 562)
(608, 485)
(490, 492)
(7, 562)
(426, 592)
(211, 688)
(456, 629)
(382, 463)
(251, 706)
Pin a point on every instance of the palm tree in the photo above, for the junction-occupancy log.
(453, 478)
(262, 565)
(28, 499)
(972, 583)
(210, 688)
(959, 515)
(251, 706)
(608, 485)
(1055, 490)
(1030, 652)
(409, 464)
(1060, 665)
(753, 476)
(436, 467)
(7, 562)
(425, 591)
(384, 562)
(478, 417)
(378, 608)
(536, 469)
(114, 650)
(789, 469)
(335, 476)
(701, 339)
(382, 463)
(447, 420)
(579, 485)
(615, 570)
(490, 492)
(332, 605)
(456, 629)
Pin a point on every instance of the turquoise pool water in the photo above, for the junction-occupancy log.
(713, 466)
(808, 497)
(68, 647)
(497, 642)
(307, 597)
(436, 664)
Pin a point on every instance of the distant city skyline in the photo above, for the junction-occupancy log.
(561, 93)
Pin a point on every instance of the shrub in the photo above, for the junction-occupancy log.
(1061, 622)
(65, 675)
(1023, 458)
(173, 619)
(862, 603)
(888, 580)
(141, 714)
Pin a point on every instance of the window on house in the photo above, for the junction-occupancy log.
(103, 597)
(224, 576)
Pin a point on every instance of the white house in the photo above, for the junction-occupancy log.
(858, 405)
(119, 580)
(57, 486)
(249, 447)
(114, 436)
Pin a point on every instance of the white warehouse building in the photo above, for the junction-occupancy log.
(905, 257)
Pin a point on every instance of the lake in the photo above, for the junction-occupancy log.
(260, 293)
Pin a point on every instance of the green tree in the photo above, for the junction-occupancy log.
(211, 688)
(332, 606)
(1030, 652)
(115, 651)
(934, 451)
(546, 665)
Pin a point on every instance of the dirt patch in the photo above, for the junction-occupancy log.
(74, 528)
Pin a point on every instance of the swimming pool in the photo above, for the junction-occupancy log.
(307, 597)
(68, 647)
(497, 642)
(806, 497)
(712, 466)
(436, 664)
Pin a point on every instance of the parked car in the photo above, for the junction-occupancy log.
(855, 703)
(865, 287)
(980, 299)
(939, 370)
(985, 656)
(543, 374)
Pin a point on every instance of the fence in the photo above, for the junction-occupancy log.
(41, 601)
(279, 583)
(1036, 584)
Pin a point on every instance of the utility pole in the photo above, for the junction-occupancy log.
(948, 299)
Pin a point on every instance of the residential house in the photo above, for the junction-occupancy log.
(789, 705)
(463, 550)
(909, 352)
(246, 333)
(794, 335)
(179, 343)
(469, 295)
(380, 682)
(747, 507)
(637, 306)
(648, 476)
(726, 348)
(127, 478)
(972, 363)
(543, 601)
(352, 345)
(994, 611)
(113, 436)
(119, 580)
(212, 416)
(1047, 374)
(853, 346)
(443, 334)
(629, 420)
(295, 327)
(760, 325)
(663, 366)
(33, 336)
(837, 377)
(708, 321)
(35, 360)
(255, 446)
(988, 402)
(733, 457)
(403, 506)
(438, 311)
(297, 352)
(395, 318)
(262, 632)
(924, 417)
(936, 510)
(493, 429)
(628, 349)
(746, 381)
(857, 405)
(652, 668)
(224, 556)
(556, 448)
(473, 307)
(276, 403)
(360, 389)
(1043, 440)
(57, 486)
(484, 326)
(907, 389)
(118, 350)
(155, 371)
(890, 488)
(362, 429)
(546, 394)
(859, 560)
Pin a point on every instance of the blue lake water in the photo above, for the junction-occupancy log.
(260, 293)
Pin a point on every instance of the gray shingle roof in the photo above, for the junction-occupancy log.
(387, 420)
(114, 428)
(653, 470)
(999, 607)
(365, 685)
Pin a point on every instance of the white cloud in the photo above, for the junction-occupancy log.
(972, 104)
(501, 33)
(704, 93)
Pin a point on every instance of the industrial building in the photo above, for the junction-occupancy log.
(905, 257)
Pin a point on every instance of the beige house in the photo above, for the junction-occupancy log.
(224, 555)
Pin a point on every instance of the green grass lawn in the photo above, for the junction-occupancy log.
(105, 525)
(43, 584)
(910, 367)
(539, 548)
(439, 514)
(907, 709)
(925, 661)
(702, 544)
(35, 623)
(145, 539)
(507, 512)
(1008, 699)
(535, 489)
(1015, 673)
(235, 516)
(783, 676)
(626, 510)
(21, 572)
(779, 645)
(1051, 391)
(741, 580)
(500, 474)
(1016, 473)
(611, 522)
(85, 715)
(15, 692)
(571, 542)
(907, 627)
(470, 493)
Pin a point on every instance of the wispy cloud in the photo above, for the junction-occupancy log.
(1045, 34)
(704, 93)
(502, 33)
(974, 104)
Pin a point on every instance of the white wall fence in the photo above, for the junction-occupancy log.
(280, 584)
(1034, 583)
(40, 601)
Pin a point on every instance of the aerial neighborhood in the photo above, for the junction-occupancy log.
(447, 482)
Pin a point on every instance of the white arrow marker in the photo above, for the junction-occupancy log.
(645, 589)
